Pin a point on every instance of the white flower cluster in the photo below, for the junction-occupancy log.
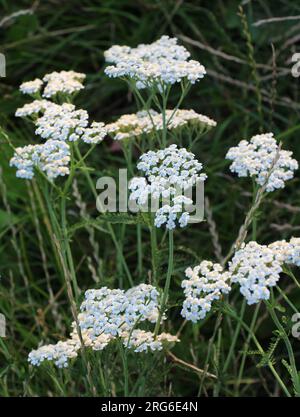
(55, 123)
(113, 311)
(165, 47)
(206, 283)
(95, 133)
(59, 353)
(168, 173)
(65, 82)
(142, 341)
(162, 62)
(31, 87)
(287, 252)
(255, 268)
(255, 158)
(33, 108)
(143, 122)
(62, 122)
(106, 315)
(52, 157)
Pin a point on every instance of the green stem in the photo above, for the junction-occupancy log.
(123, 353)
(289, 348)
(109, 226)
(167, 284)
(246, 346)
(261, 350)
(234, 339)
(139, 249)
(153, 252)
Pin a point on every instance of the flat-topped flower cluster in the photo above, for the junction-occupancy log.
(155, 65)
(258, 157)
(52, 158)
(148, 122)
(168, 174)
(63, 82)
(54, 123)
(106, 315)
(287, 252)
(256, 268)
(206, 283)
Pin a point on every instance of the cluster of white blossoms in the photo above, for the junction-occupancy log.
(206, 283)
(58, 353)
(168, 174)
(113, 311)
(33, 109)
(64, 82)
(52, 158)
(157, 64)
(147, 122)
(287, 252)
(256, 159)
(255, 268)
(62, 122)
(55, 123)
(95, 133)
(165, 47)
(142, 341)
(106, 315)
(31, 87)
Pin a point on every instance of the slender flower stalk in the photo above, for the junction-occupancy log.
(167, 283)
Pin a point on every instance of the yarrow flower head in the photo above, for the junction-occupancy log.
(287, 252)
(31, 87)
(33, 109)
(255, 268)
(157, 64)
(165, 47)
(257, 159)
(55, 123)
(205, 284)
(147, 122)
(95, 133)
(52, 157)
(142, 341)
(64, 82)
(168, 173)
(59, 353)
(62, 122)
(106, 315)
(113, 311)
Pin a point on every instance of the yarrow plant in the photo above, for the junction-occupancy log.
(109, 315)
(54, 123)
(134, 318)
